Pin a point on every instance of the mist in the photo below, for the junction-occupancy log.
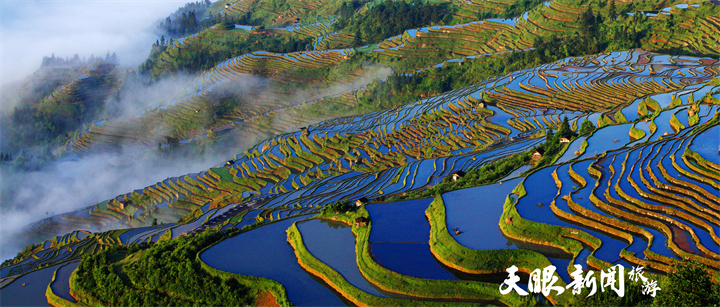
(41, 189)
(136, 96)
(68, 185)
(32, 29)
(73, 184)
(125, 27)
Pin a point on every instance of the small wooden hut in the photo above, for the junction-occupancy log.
(538, 154)
(457, 175)
(361, 221)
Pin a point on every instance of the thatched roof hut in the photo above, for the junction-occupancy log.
(538, 154)
(457, 175)
(361, 221)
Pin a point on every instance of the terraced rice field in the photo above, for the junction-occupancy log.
(416, 145)
(267, 245)
(634, 199)
(634, 192)
(558, 18)
(333, 243)
(474, 211)
(194, 103)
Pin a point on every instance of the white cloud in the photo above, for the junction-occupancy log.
(33, 29)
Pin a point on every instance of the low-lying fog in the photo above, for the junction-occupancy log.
(32, 29)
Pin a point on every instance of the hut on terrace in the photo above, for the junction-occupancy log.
(457, 175)
(538, 154)
(361, 201)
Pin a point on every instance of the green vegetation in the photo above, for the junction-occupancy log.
(390, 18)
(390, 281)
(488, 173)
(456, 256)
(166, 273)
(71, 104)
(553, 148)
(633, 297)
(587, 127)
(690, 285)
(212, 47)
(516, 8)
(337, 208)
(335, 279)
(188, 19)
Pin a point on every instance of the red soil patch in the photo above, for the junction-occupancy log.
(656, 40)
(266, 299)
(682, 239)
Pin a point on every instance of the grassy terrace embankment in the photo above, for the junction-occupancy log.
(432, 292)
(334, 279)
(466, 119)
(562, 239)
(452, 254)
(389, 281)
(57, 301)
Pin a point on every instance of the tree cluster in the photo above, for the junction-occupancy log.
(37, 121)
(77, 61)
(185, 20)
(5, 157)
(163, 274)
(338, 207)
(690, 285)
(348, 9)
(199, 59)
(515, 9)
(552, 146)
(587, 127)
(389, 18)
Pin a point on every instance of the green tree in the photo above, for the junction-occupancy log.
(587, 127)
(565, 130)
(612, 12)
(357, 40)
(690, 285)
(549, 134)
